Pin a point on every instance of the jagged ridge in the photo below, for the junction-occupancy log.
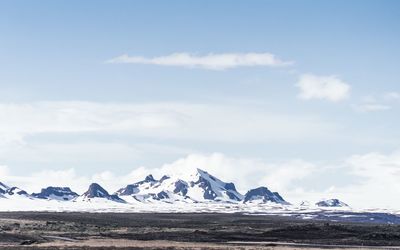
(196, 187)
(56, 193)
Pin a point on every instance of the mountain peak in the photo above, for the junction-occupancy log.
(16, 190)
(149, 178)
(56, 193)
(192, 185)
(202, 172)
(263, 194)
(97, 191)
(165, 177)
(215, 189)
(6, 191)
(331, 203)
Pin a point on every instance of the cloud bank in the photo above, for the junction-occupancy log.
(184, 121)
(209, 61)
(376, 175)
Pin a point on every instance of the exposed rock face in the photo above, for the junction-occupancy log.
(7, 192)
(192, 186)
(15, 190)
(96, 191)
(263, 194)
(215, 189)
(181, 188)
(195, 187)
(149, 178)
(165, 177)
(128, 190)
(134, 188)
(331, 203)
(3, 188)
(56, 193)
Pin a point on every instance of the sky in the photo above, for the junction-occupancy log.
(300, 96)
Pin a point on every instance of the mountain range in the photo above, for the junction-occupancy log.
(197, 187)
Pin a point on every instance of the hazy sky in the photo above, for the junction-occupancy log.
(300, 96)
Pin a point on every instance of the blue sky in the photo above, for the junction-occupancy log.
(68, 100)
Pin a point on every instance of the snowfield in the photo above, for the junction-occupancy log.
(101, 205)
(105, 205)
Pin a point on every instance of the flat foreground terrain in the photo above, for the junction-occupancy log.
(41, 230)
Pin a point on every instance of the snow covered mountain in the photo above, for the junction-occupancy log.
(95, 191)
(56, 193)
(196, 189)
(9, 192)
(262, 195)
(198, 186)
(331, 203)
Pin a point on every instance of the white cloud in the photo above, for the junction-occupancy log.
(371, 107)
(209, 61)
(246, 173)
(4, 171)
(89, 134)
(35, 181)
(330, 88)
(378, 179)
(392, 96)
(374, 182)
(156, 120)
(79, 183)
(375, 103)
(74, 153)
